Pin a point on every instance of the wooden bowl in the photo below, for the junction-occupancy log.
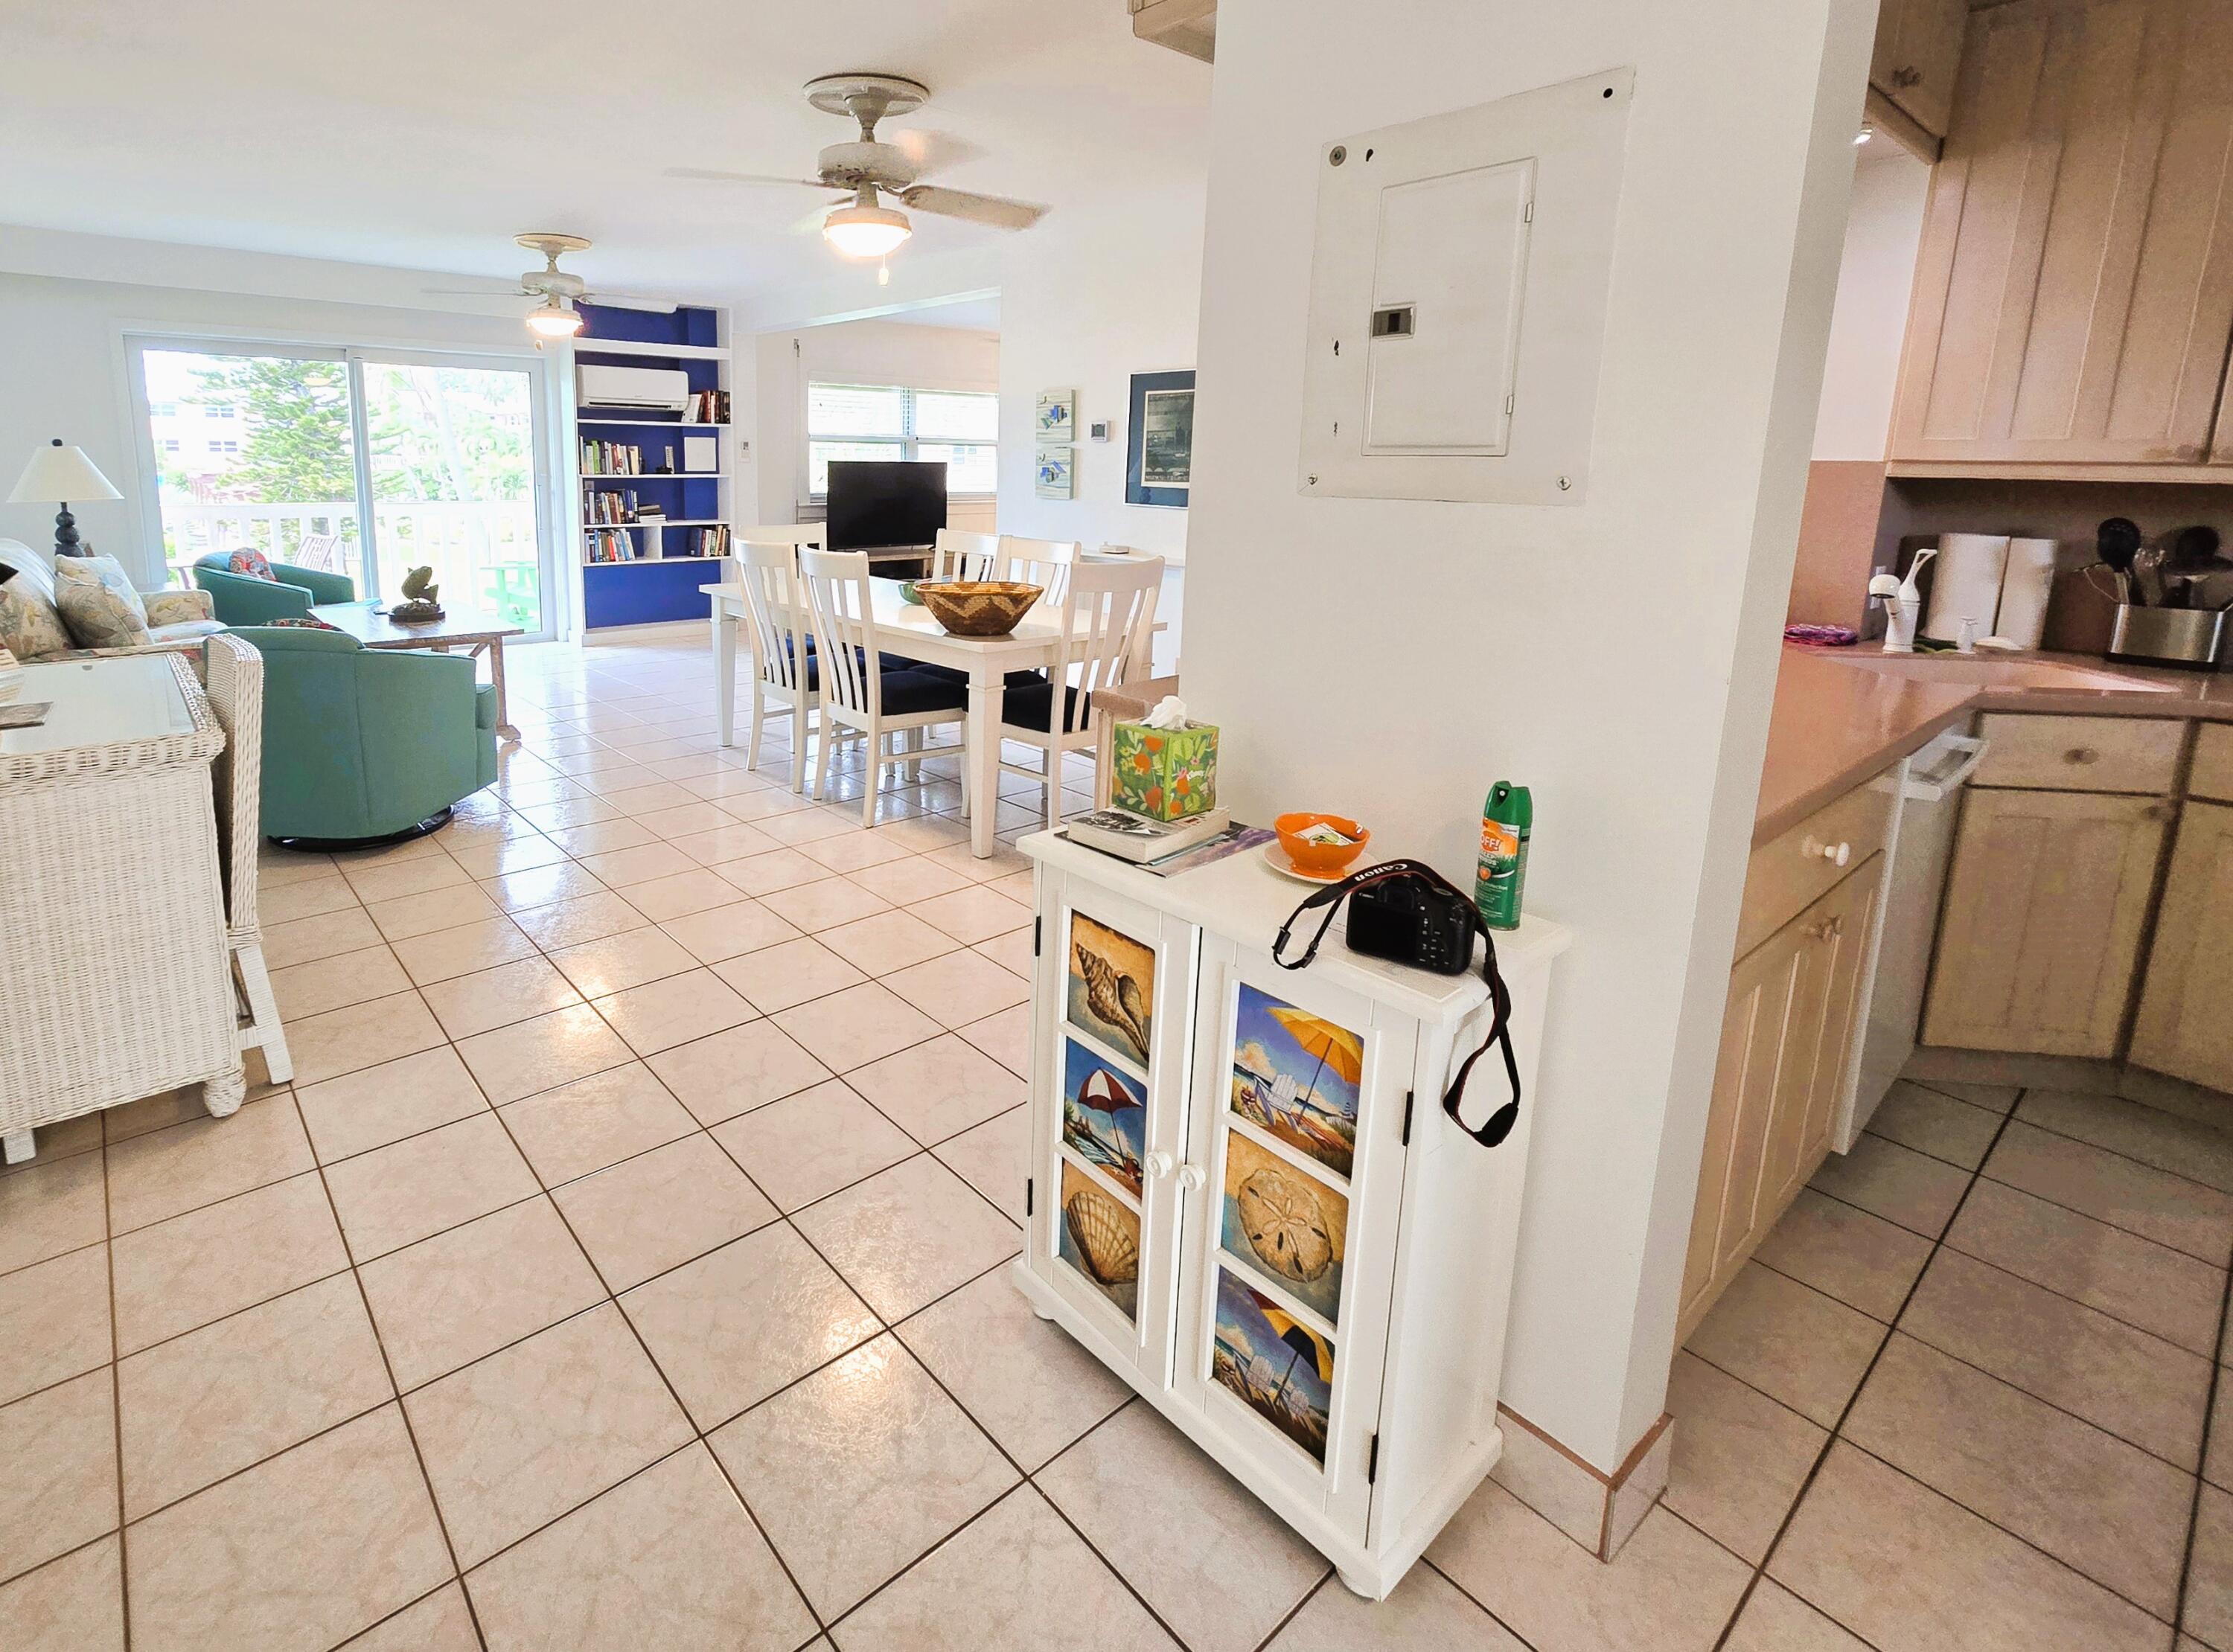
(1320, 857)
(978, 607)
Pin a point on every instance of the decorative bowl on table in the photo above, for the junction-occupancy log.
(909, 592)
(978, 607)
(1319, 843)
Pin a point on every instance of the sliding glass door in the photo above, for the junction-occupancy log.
(362, 462)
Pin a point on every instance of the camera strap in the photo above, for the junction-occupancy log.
(1500, 1123)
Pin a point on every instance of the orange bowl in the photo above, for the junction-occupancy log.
(1320, 857)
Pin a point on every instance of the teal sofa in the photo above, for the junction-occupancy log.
(364, 744)
(242, 599)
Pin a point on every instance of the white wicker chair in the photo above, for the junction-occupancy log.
(232, 673)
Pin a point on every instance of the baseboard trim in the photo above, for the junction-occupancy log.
(1598, 1511)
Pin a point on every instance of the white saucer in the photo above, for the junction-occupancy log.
(1280, 861)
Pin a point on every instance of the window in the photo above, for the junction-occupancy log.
(227, 445)
(217, 413)
(170, 444)
(163, 409)
(959, 427)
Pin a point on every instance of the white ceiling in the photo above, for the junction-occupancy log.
(978, 315)
(423, 133)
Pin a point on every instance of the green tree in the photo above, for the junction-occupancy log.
(294, 426)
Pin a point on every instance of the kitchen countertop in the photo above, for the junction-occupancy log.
(1842, 714)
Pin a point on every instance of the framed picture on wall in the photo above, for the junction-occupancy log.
(1159, 445)
(1053, 476)
(1057, 420)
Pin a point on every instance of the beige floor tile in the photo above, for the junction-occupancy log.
(542, 886)
(1212, 1561)
(776, 977)
(826, 903)
(221, 1258)
(1793, 1343)
(973, 915)
(595, 1121)
(2092, 1501)
(1897, 1183)
(994, 1158)
(450, 1299)
(731, 1072)
(1426, 1613)
(387, 880)
(959, 857)
(305, 990)
(2160, 1139)
(1670, 1588)
(959, 988)
(987, 1590)
(940, 1088)
(617, 962)
(2137, 1387)
(812, 1144)
(1012, 951)
(377, 1105)
(303, 940)
(2155, 1204)
(65, 1138)
(852, 1028)
(651, 1212)
(60, 1487)
(677, 1011)
(361, 1034)
(733, 842)
(275, 868)
(1775, 1620)
(497, 997)
(1936, 1124)
(409, 849)
(685, 819)
(523, 850)
(764, 875)
(305, 898)
(908, 1235)
(542, 1054)
(1997, 1098)
(735, 1325)
(1840, 1249)
(553, 819)
(668, 1560)
(441, 1622)
(74, 1604)
(412, 1189)
(442, 953)
(1901, 1566)
(203, 1405)
(860, 1468)
(620, 868)
(2130, 1278)
(1007, 1037)
(2208, 1614)
(886, 942)
(640, 798)
(1739, 1458)
(854, 851)
(587, 917)
(202, 1161)
(912, 878)
(809, 825)
(729, 928)
(50, 1206)
(681, 895)
(422, 914)
(302, 1549)
(519, 1438)
(156, 1112)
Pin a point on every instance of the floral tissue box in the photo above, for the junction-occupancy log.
(1164, 773)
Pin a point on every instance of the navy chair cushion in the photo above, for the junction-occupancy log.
(906, 693)
(1031, 706)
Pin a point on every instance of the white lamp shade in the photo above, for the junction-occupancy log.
(57, 474)
(865, 231)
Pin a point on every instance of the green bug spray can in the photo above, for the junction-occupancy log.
(1507, 820)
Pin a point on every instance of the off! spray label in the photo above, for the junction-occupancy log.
(1503, 871)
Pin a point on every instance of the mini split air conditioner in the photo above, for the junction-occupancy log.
(658, 389)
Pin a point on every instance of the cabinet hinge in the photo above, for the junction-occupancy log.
(1037, 925)
(1373, 1462)
(1408, 1095)
(1028, 1185)
(1526, 216)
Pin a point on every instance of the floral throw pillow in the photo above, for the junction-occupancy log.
(306, 622)
(98, 603)
(29, 627)
(254, 564)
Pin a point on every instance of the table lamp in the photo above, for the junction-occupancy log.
(57, 475)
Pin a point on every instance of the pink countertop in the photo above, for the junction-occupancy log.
(1842, 714)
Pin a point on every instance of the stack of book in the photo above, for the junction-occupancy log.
(1134, 837)
(707, 407)
(607, 546)
(611, 458)
(708, 542)
(613, 509)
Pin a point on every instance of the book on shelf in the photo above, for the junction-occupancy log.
(709, 542)
(609, 545)
(616, 508)
(707, 407)
(1132, 837)
(611, 458)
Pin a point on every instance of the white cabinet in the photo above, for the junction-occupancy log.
(1247, 1200)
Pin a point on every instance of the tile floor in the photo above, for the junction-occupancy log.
(622, 1268)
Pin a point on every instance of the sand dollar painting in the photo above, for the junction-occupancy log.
(1284, 1222)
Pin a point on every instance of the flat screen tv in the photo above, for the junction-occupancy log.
(877, 503)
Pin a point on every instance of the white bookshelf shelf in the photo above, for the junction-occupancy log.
(656, 476)
(653, 424)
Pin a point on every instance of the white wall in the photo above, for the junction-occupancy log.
(1392, 658)
(1875, 276)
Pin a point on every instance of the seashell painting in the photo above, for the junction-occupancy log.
(1099, 1236)
(1112, 986)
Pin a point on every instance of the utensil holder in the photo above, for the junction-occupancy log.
(2190, 637)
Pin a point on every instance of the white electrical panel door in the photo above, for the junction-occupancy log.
(1458, 298)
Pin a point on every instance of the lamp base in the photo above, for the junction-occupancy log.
(67, 543)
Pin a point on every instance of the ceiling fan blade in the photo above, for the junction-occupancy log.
(708, 175)
(477, 292)
(929, 151)
(630, 301)
(990, 210)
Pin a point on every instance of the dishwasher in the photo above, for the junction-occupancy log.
(1920, 844)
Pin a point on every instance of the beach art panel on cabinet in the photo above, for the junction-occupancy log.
(1272, 1363)
(1295, 1075)
(1286, 1221)
(1100, 1235)
(1104, 1116)
(1112, 986)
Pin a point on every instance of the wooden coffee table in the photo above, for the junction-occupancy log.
(471, 629)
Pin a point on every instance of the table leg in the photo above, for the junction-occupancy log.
(503, 727)
(983, 757)
(16, 1147)
(725, 671)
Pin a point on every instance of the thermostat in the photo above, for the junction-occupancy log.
(1098, 429)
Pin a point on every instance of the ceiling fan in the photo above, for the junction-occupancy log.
(556, 317)
(861, 226)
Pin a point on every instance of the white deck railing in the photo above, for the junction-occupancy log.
(461, 540)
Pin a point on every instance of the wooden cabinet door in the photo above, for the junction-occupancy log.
(2074, 292)
(1918, 53)
(2045, 904)
(2185, 1022)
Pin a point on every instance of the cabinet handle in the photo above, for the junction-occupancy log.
(1191, 1177)
(1159, 1164)
(2081, 754)
(1904, 77)
(1836, 854)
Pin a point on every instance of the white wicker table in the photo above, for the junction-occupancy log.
(115, 977)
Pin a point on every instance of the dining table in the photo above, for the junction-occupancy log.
(907, 630)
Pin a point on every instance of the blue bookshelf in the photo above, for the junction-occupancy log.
(639, 570)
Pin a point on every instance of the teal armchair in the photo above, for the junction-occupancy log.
(362, 742)
(242, 600)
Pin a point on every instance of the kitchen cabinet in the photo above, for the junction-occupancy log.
(1918, 51)
(2074, 292)
(2046, 905)
(1246, 1199)
(1788, 1037)
(2184, 1027)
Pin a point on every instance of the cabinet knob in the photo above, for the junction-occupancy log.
(1836, 854)
(1191, 1177)
(2081, 754)
(1159, 1164)
(1904, 77)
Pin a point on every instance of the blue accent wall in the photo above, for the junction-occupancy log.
(647, 592)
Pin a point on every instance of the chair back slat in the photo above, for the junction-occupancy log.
(233, 674)
(965, 556)
(837, 598)
(775, 598)
(794, 534)
(1044, 562)
(1107, 612)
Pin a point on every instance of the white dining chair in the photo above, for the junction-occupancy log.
(1044, 563)
(961, 555)
(783, 661)
(856, 692)
(794, 534)
(1108, 609)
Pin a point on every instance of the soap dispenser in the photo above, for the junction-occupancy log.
(1902, 603)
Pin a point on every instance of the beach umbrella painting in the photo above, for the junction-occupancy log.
(1303, 1342)
(1330, 1046)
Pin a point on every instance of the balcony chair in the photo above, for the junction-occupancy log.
(243, 599)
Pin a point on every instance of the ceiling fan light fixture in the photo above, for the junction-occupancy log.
(555, 318)
(864, 230)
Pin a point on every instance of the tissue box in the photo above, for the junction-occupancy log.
(1164, 774)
